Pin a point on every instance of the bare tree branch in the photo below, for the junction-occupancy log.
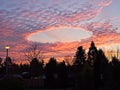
(33, 52)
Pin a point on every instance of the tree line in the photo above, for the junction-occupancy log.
(89, 71)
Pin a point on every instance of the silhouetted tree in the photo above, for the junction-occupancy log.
(92, 53)
(80, 56)
(116, 72)
(78, 65)
(51, 73)
(62, 74)
(36, 67)
(85, 81)
(100, 68)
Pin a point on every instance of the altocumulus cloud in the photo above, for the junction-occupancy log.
(20, 18)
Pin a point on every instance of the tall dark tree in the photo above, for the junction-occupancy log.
(92, 53)
(62, 74)
(79, 62)
(116, 72)
(100, 68)
(51, 73)
(50, 68)
(36, 67)
(80, 56)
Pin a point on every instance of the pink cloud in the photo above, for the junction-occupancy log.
(19, 21)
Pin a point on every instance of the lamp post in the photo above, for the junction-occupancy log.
(7, 48)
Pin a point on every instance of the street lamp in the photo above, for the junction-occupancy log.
(7, 47)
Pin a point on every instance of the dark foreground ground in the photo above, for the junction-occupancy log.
(50, 89)
(29, 84)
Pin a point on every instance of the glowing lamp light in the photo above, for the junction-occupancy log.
(7, 47)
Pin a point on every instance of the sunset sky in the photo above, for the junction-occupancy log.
(58, 26)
